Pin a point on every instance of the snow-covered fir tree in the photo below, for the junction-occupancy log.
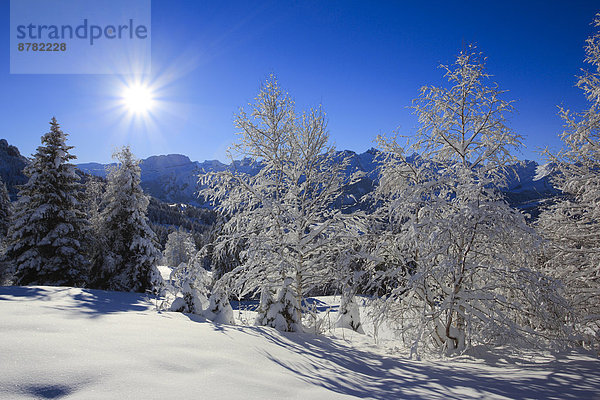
(572, 225)
(128, 254)
(285, 214)
(45, 239)
(281, 312)
(5, 211)
(219, 309)
(349, 313)
(266, 299)
(92, 198)
(5, 218)
(180, 248)
(191, 285)
(459, 261)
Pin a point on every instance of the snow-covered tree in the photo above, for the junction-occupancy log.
(349, 313)
(219, 309)
(264, 304)
(225, 258)
(572, 225)
(5, 218)
(285, 214)
(281, 312)
(45, 239)
(92, 198)
(128, 256)
(180, 248)
(457, 257)
(193, 282)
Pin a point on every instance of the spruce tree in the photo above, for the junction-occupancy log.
(128, 254)
(49, 222)
(5, 217)
(5, 211)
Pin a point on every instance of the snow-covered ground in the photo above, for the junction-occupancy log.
(87, 344)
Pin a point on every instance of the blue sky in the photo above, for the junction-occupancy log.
(363, 60)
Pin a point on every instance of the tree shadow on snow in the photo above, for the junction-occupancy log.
(346, 370)
(8, 293)
(96, 303)
(92, 303)
(48, 391)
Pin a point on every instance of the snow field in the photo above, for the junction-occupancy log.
(87, 344)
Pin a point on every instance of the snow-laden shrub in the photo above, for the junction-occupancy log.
(190, 283)
(266, 299)
(219, 309)
(282, 312)
(349, 314)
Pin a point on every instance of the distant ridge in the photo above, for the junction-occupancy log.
(173, 178)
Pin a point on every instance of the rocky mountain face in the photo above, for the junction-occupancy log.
(527, 189)
(173, 178)
(11, 167)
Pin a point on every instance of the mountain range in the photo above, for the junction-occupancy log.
(173, 178)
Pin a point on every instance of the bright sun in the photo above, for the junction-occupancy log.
(138, 98)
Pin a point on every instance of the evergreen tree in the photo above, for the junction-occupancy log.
(280, 313)
(94, 188)
(5, 216)
(49, 222)
(5, 211)
(193, 282)
(128, 254)
(219, 309)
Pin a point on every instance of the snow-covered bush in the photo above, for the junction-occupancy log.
(45, 239)
(190, 283)
(457, 259)
(284, 216)
(127, 254)
(219, 309)
(349, 313)
(266, 299)
(281, 313)
(572, 225)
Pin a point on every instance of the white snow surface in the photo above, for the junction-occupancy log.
(58, 342)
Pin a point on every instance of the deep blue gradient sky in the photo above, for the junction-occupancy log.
(363, 60)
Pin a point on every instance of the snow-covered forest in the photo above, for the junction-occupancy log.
(434, 260)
